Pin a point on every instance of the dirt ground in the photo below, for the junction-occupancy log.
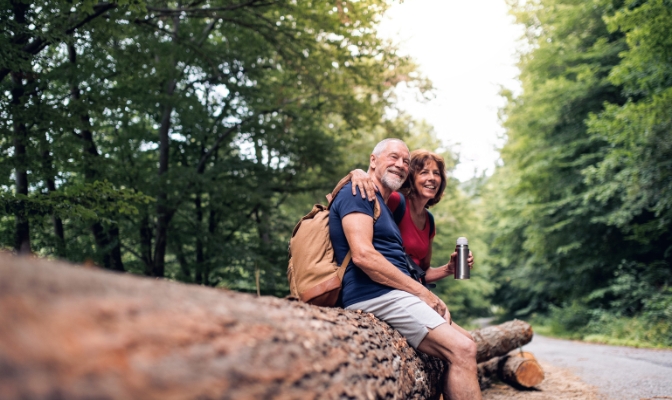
(558, 383)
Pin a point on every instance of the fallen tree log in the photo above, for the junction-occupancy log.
(74, 332)
(498, 340)
(518, 369)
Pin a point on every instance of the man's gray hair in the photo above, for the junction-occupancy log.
(382, 145)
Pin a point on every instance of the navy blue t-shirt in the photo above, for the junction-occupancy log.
(357, 286)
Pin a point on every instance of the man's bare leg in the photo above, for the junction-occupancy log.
(463, 331)
(453, 346)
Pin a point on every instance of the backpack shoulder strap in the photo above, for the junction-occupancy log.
(376, 210)
(343, 182)
(338, 188)
(341, 269)
(431, 223)
(400, 210)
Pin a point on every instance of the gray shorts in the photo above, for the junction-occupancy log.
(405, 312)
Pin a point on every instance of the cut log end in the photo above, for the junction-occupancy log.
(527, 373)
(518, 369)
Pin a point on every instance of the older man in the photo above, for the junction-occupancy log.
(377, 279)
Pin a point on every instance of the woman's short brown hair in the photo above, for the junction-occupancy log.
(418, 160)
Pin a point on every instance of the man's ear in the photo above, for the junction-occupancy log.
(372, 162)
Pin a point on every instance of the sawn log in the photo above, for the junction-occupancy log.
(79, 333)
(498, 340)
(518, 369)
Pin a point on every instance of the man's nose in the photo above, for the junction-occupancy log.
(400, 163)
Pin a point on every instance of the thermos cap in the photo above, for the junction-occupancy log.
(462, 241)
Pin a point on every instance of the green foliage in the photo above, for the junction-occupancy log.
(645, 69)
(579, 212)
(183, 141)
(578, 322)
(537, 220)
(88, 201)
(633, 181)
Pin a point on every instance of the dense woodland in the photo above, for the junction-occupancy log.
(183, 140)
(175, 139)
(580, 211)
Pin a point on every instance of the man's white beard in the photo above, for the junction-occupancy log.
(392, 181)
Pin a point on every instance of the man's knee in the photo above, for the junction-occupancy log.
(447, 343)
(464, 350)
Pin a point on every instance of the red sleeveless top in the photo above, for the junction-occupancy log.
(416, 241)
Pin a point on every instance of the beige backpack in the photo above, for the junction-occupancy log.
(313, 274)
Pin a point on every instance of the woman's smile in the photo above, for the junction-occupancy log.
(428, 180)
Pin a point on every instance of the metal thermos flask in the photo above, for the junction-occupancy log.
(462, 249)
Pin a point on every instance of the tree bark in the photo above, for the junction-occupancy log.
(22, 225)
(48, 168)
(146, 243)
(200, 257)
(107, 240)
(518, 369)
(496, 341)
(73, 332)
(164, 213)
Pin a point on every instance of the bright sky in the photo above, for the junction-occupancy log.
(467, 49)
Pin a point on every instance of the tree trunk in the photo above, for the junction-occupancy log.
(107, 240)
(22, 225)
(496, 341)
(163, 213)
(200, 257)
(518, 369)
(76, 333)
(146, 243)
(59, 233)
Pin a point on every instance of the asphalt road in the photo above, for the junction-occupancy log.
(619, 373)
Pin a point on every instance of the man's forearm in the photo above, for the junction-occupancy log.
(380, 270)
(358, 230)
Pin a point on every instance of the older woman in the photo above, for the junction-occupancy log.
(422, 189)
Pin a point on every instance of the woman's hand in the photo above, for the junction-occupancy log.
(362, 180)
(450, 267)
